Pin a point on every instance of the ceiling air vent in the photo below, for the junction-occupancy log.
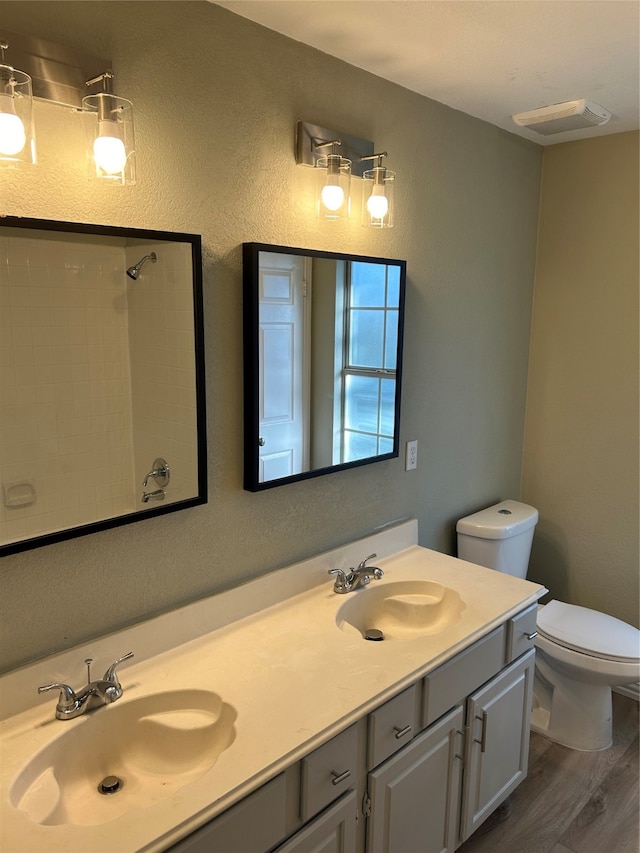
(570, 115)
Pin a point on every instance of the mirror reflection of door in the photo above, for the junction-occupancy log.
(283, 366)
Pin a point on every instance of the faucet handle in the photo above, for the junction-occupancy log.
(343, 581)
(110, 674)
(375, 571)
(67, 698)
(378, 573)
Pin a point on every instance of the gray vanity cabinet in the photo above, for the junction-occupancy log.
(497, 743)
(334, 831)
(254, 825)
(435, 792)
(420, 772)
(415, 795)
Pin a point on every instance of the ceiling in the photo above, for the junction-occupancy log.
(487, 58)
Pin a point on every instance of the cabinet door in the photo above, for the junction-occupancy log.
(497, 748)
(415, 795)
(334, 831)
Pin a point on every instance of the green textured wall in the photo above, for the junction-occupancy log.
(581, 450)
(216, 99)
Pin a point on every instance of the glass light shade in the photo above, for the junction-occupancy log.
(334, 182)
(111, 145)
(17, 139)
(108, 149)
(378, 197)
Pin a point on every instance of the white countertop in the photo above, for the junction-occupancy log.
(294, 678)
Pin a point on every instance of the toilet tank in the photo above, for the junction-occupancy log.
(499, 537)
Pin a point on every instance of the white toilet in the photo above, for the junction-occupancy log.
(580, 653)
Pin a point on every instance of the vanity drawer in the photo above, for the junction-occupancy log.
(328, 772)
(520, 632)
(451, 683)
(391, 726)
(253, 825)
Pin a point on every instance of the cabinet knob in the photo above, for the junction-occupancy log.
(532, 636)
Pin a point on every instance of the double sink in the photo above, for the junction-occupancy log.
(140, 751)
(228, 692)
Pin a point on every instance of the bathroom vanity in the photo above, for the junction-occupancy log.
(261, 719)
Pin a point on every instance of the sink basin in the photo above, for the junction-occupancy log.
(154, 745)
(402, 610)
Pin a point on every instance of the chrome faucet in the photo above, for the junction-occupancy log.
(96, 693)
(355, 578)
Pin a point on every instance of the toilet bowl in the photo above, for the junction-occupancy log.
(581, 654)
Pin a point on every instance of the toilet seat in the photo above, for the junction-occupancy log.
(589, 632)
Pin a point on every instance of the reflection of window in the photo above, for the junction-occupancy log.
(371, 346)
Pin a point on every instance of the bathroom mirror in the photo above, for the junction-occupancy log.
(323, 362)
(102, 411)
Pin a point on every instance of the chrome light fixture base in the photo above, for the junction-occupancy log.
(312, 139)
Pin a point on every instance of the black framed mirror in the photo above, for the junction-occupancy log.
(102, 399)
(323, 339)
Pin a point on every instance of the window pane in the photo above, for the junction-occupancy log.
(367, 285)
(391, 343)
(361, 403)
(357, 446)
(387, 406)
(393, 286)
(386, 445)
(366, 338)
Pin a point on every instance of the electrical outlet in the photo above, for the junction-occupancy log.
(411, 457)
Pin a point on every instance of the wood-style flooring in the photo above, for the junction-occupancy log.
(572, 802)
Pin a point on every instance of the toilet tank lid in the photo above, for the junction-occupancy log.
(589, 631)
(500, 521)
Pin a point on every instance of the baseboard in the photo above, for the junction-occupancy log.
(630, 690)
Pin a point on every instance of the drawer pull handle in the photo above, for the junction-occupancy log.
(401, 732)
(483, 736)
(532, 636)
(339, 777)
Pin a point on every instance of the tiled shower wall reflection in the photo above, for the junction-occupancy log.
(162, 360)
(67, 449)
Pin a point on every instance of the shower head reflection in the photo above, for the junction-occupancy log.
(134, 271)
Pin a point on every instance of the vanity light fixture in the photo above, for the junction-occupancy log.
(111, 133)
(334, 182)
(60, 75)
(17, 139)
(377, 194)
(334, 168)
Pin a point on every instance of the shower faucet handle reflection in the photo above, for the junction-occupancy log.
(160, 473)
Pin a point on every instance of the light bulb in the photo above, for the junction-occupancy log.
(377, 203)
(332, 194)
(108, 149)
(12, 135)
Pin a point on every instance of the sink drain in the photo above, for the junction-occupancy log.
(373, 634)
(110, 785)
